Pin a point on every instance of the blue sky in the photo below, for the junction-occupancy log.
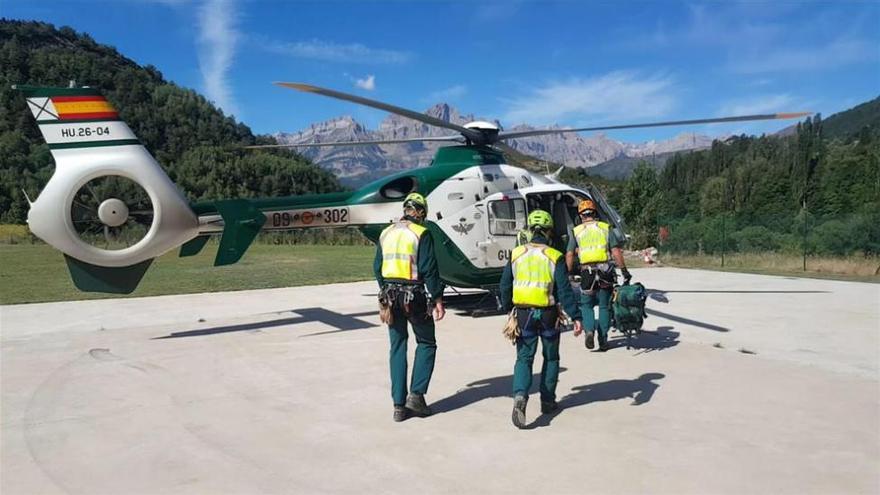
(568, 63)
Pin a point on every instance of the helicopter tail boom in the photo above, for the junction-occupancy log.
(238, 221)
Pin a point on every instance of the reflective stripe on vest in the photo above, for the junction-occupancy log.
(533, 268)
(400, 250)
(592, 242)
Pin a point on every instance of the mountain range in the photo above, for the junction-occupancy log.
(358, 163)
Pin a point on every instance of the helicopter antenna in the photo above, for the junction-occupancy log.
(555, 175)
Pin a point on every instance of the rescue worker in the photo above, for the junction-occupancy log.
(533, 282)
(592, 245)
(410, 286)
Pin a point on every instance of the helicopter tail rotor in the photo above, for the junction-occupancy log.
(109, 207)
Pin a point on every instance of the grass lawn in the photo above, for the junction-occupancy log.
(852, 268)
(38, 273)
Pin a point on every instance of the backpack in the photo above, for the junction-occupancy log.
(628, 306)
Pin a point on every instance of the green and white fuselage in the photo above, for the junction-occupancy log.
(477, 203)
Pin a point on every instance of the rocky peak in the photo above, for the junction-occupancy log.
(574, 150)
(443, 112)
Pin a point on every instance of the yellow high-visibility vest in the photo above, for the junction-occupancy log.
(400, 250)
(592, 242)
(533, 268)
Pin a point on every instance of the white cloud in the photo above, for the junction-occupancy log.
(757, 105)
(168, 3)
(495, 11)
(334, 52)
(838, 53)
(368, 83)
(217, 40)
(445, 95)
(616, 96)
(757, 38)
(760, 82)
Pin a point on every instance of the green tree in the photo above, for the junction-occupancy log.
(641, 202)
(199, 146)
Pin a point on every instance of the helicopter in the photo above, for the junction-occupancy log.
(477, 201)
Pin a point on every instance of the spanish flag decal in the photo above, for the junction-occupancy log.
(83, 107)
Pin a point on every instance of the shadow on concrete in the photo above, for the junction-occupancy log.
(687, 321)
(473, 304)
(499, 386)
(342, 323)
(640, 390)
(660, 295)
(662, 338)
(745, 292)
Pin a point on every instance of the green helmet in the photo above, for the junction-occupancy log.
(417, 201)
(540, 219)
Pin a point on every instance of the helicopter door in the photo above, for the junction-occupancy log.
(610, 213)
(562, 206)
(505, 218)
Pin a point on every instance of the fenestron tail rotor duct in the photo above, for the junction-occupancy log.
(111, 212)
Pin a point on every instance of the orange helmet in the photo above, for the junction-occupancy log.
(585, 205)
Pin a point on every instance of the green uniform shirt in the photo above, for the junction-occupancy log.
(427, 265)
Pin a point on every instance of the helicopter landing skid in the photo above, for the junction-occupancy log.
(476, 304)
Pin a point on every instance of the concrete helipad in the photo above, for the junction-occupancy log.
(744, 384)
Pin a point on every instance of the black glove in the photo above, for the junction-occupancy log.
(627, 276)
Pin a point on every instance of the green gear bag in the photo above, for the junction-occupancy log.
(628, 305)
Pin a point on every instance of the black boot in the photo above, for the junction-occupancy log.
(519, 411)
(588, 340)
(603, 343)
(549, 407)
(416, 404)
(400, 414)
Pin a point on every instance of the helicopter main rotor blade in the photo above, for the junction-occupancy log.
(742, 118)
(537, 163)
(427, 119)
(356, 143)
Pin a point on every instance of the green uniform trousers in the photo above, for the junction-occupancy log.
(526, 348)
(602, 297)
(423, 366)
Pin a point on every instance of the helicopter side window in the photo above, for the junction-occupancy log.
(398, 188)
(507, 217)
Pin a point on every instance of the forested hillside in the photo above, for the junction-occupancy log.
(807, 191)
(199, 146)
(846, 125)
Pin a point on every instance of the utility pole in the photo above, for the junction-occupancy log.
(804, 209)
(723, 236)
(725, 201)
(804, 205)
